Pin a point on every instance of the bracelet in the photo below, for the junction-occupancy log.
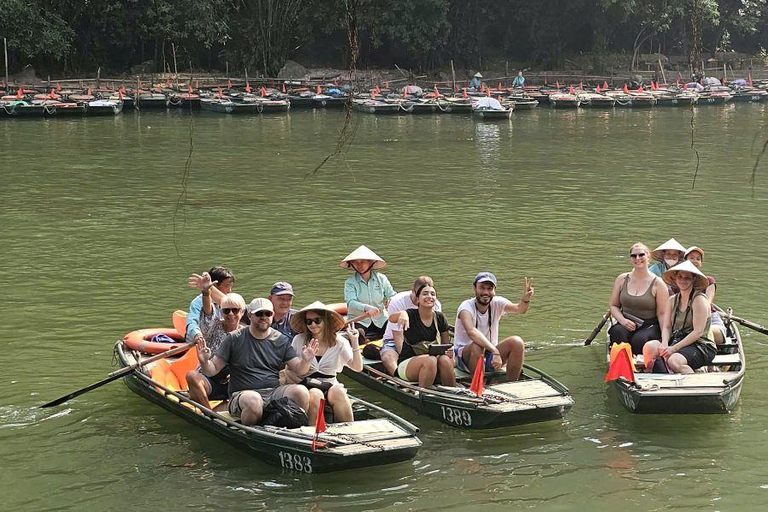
(358, 349)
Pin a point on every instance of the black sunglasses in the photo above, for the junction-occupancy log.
(227, 311)
(638, 255)
(262, 313)
(310, 321)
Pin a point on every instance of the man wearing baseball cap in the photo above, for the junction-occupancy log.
(477, 328)
(255, 356)
(281, 296)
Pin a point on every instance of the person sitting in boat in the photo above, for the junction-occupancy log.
(475, 83)
(203, 388)
(399, 320)
(666, 256)
(223, 279)
(477, 328)
(367, 291)
(638, 303)
(686, 343)
(425, 327)
(281, 296)
(519, 80)
(255, 356)
(319, 323)
(696, 256)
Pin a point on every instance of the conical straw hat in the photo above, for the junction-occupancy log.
(297, 320)
(363, 253)
(669, 245)
(700, 281)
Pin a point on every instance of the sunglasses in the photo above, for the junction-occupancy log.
(310, 321)
(227, 311)
(262, 313)
(638, 255)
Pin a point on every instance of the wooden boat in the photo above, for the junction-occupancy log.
(151, 100)
(596, 100)
(674, 98)
(301, 99)
(642, 99)
(697, 393)
(490, 108)
(715, 96)
(186, 100)
(21, 108)
(376, 436)
(564, 100)
(534, 398)
(329, 101)
(748, 95)
(623, 100)
(103, 108)
(227, 106)
(54, 108)
(376, 106)
(521, 102)
(266, 105)
(456, 105)
(422, 106)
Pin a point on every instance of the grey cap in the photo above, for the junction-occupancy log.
(486, 277)
(282, 288)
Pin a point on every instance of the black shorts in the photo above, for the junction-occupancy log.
(219, 387)
(698, 354)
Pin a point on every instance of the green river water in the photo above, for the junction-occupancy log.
(93, 245)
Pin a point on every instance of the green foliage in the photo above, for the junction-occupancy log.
(31, 30)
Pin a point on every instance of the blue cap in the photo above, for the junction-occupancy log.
(486, 277)
(282, 288)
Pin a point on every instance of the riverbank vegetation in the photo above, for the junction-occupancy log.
(66, 37)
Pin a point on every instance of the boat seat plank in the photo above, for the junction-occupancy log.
(719, 360)
(525, 389)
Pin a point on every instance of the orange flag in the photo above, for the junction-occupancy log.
(489, 92)
(319, 424)
(20, 93)
(621, 363)
(58, 87)
(189, 89)
(120, 94)
(581, 85)
(89, 92)
(283, 88)
(625, 89)
(570, 90)
(52, 95)
(229, 84)
(640, 89)
(436, 92)
(464, 93)
(318, 90)
(478, 378)
(598, 89)
(386, 85)
(605, 85)
(750, 80)
(248, 87)
(557, 84)
(685, 87)
(263, 92)
(221, 94)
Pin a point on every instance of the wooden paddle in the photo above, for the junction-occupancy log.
(122, 372)
(742, 321)
(597, 329)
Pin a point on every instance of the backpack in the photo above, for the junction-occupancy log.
(284, 412)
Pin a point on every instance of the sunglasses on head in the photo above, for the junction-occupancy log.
(227, 311)
(310, 321)
(638, 255)
(262, 313)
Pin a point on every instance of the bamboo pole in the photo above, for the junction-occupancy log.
(5, 48)
(175, 67)
(453, 75)
(663, 75)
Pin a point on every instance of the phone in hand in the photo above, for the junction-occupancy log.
(439, 349)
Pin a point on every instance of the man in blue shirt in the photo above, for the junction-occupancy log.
(281, 296)
(223, 279)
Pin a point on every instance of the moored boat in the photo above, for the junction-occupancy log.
(596, 100)
(642, 99)
(103, 108)
(702, 392)
(534, 398)
(54, 108)
(150, 100)
(422, 106)
(456, 105)
(564, 100)
(376, 436)
(21, 108)
(372, 106)
(490, 108)
(188, 100)
(227, 106)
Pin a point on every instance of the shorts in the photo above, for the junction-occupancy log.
(388, 345)
(267, 395)
(463, 367)
(717, 323)
(402, 367)
(219, 387)
(372, 332)
(698, 354)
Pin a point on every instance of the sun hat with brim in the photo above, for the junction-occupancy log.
(669, 245)
(700, 281)
(478, 75)
(693, 248)
(297, 319)
(363, 253)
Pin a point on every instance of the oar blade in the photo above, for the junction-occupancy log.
(67, 398)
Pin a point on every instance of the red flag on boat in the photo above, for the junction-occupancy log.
(685, 87)
(621, 363)
(436, 92)
(319, 424)
(597, 89)
(386, 85)
(605, 85)
(283, 87)
(407, 90)
(221, 94)
(335, 83)
(377, 90)
(570, 90)
(120, 94)
(263, 92)
(499, 85)
(20, 93)
(248, 87)
(488, 91)
(545, 79)
(373, 94)
(557, 84)
(640, 89)
(625, 89)
(581, 85)
(750, 80)
(58, 87)
(229, 84)
(478, 378)
(88, 92)
(189, 89)
(464, 93)
(318, 90)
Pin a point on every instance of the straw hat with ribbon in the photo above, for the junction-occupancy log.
(363, 253)
(297, 320)
(700, 281)
(669, 245)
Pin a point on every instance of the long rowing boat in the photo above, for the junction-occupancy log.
(535, 397)
(376, 436)
(702, 392)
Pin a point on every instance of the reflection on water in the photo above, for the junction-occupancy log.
(94, 246)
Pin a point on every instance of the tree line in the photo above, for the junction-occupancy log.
(68, 36)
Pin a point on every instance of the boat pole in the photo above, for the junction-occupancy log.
(175, 68)
(453, 75)
(5, 48)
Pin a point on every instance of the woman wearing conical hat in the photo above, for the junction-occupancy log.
(686, 340)
(696, 256)
(319, 322)
(367, 291)
(666, 256)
